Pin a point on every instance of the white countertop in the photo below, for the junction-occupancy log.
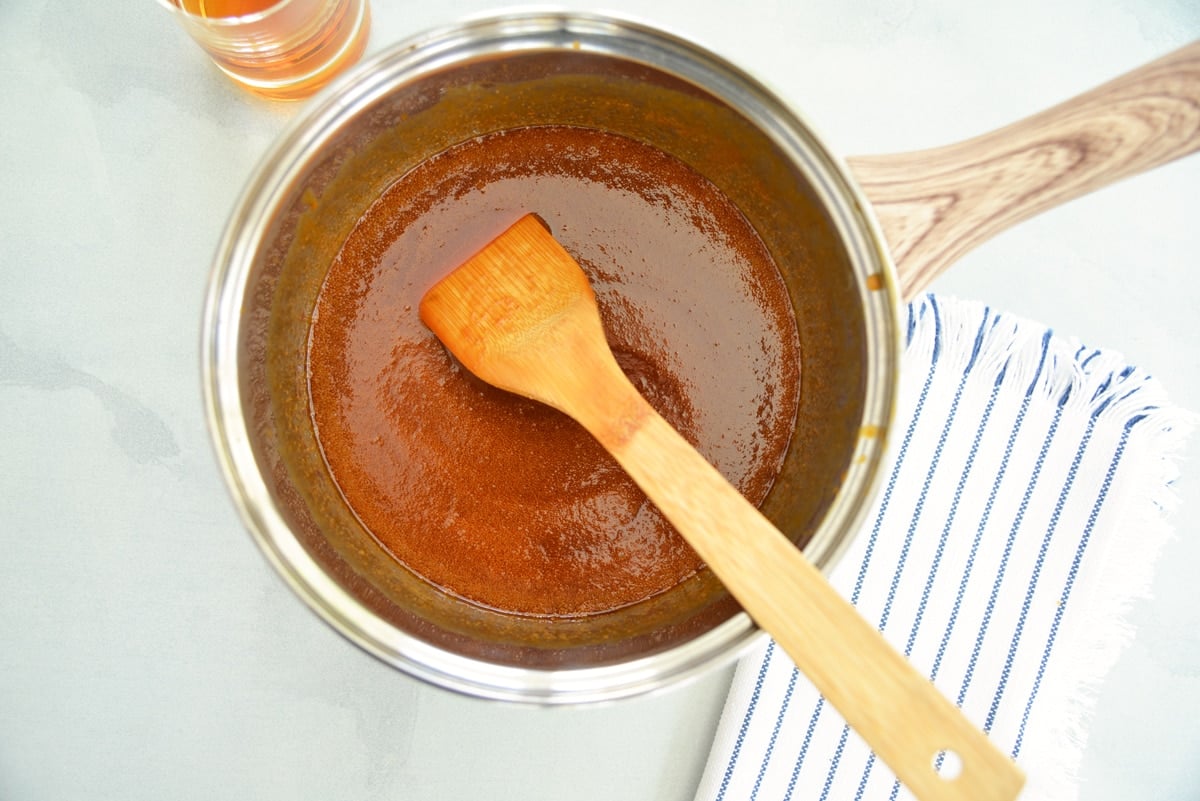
(147, 651)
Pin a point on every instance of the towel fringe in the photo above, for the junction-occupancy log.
(1027, 354)
(1121, 575)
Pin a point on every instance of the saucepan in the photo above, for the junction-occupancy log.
(852, 240)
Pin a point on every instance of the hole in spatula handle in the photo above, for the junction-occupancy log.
(948, 764)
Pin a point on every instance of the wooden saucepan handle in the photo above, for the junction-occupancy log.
(935, 205)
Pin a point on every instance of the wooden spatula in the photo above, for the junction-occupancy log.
(521, 315)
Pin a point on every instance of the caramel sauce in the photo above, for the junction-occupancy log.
(503, 501)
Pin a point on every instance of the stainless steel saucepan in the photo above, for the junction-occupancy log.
(852, 239)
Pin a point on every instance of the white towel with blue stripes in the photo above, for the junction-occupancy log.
(1026, 496)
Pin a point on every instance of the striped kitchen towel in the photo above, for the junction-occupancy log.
(1019, 515)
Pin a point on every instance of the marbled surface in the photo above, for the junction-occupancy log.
(147, 651)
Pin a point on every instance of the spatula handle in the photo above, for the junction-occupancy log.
(899, 713)
(935, 205)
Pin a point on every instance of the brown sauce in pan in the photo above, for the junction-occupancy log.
(501, 500)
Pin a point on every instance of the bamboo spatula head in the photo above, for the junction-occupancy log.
(518, 313)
